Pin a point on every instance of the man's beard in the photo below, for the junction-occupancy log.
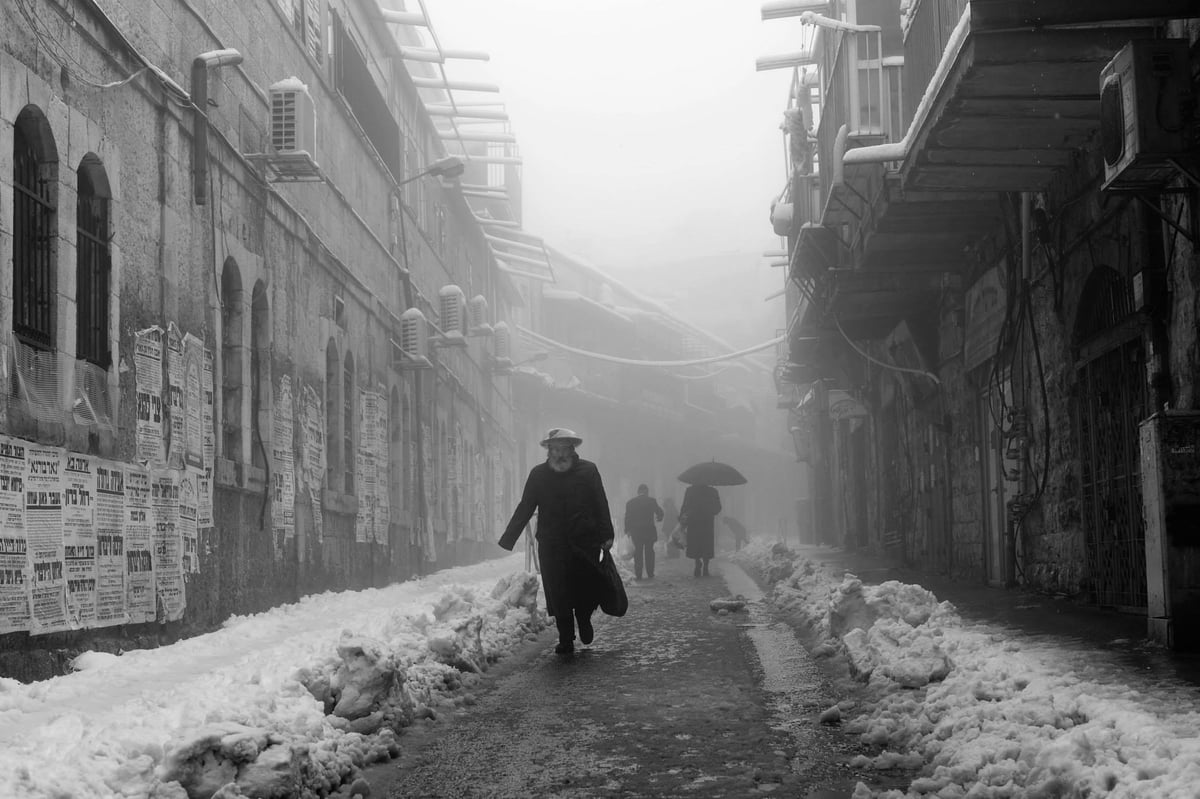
(559, 463)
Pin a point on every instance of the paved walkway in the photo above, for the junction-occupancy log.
(667, 702)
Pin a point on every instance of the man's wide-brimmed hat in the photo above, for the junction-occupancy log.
(561, 435)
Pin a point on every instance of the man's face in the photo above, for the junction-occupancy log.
(559, 456)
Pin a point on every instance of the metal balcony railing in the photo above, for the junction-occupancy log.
(930, 23)
(863, 90)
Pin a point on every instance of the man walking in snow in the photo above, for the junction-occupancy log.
(574, 524)
(641, 515)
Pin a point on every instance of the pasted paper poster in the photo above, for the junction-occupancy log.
(208, 445)
(110, 544)
(168, 558)
(188, 495)
(312, 430)
(193, 365)
(14, 558)
(283, 472)
(148, 385)
(44, 527)
(383, 486)
(79, 539)
(176, 412)
(362, 521)
(139, 547)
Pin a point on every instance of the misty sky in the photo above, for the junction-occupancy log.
(651, 146)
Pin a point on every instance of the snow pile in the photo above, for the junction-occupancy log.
(987, 712)
(291, 702)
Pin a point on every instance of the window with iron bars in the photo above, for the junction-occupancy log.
(93, 272)
(33, 240)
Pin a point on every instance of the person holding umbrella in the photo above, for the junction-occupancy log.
(701, 505)
(574, 524)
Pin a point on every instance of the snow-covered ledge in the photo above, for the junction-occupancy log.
(898, 151)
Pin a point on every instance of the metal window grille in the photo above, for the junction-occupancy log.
(258, 367)
(33, 231)
(93, 273)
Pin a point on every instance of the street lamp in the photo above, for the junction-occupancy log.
(449, 167)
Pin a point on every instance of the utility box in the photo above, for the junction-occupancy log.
(1170, 452)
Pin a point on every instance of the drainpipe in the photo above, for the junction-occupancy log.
(200, 67)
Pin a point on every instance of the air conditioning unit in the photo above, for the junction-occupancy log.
(501, 346)
(414, 341)
(1145, 113)
(477, 317)
(450, 311)
(293, 130)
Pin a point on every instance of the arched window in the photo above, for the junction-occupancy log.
(232, 348)
(35, 203)
(333, 384)
(93, 264)
(349, 408)
(260, 370)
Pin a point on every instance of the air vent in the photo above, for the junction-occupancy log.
(477, 317)
(502, 344)
(450, 307)
(414, 340)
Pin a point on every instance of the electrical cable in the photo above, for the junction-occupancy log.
(549, 342)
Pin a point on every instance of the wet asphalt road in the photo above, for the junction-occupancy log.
(672, 700)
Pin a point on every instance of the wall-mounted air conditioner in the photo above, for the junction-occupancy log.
(293, 130)
(477, 317)
(1145, 113)
(501, 347)
(451, 316)
(414, 341)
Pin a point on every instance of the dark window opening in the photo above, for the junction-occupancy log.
(34, 180)
(356, 85)
(93, 270)
(259, 370)
(231, 361)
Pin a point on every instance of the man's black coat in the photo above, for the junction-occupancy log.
(641, 513)
(573, 522)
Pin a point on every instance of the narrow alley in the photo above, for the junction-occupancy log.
(671, 700)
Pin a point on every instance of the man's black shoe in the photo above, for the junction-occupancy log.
(586, 633)
(564, 649)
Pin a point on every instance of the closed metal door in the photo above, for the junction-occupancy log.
(1112, 401)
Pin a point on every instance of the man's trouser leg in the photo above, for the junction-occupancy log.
(649, 558)
(638, 560)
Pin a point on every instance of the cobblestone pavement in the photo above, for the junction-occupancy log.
(669, 701)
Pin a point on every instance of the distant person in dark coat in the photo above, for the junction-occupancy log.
(641, 515)
(574, 524)
(701, 504)
(670, 520)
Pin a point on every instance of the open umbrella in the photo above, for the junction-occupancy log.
(712, 473)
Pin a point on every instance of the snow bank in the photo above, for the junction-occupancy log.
(985, 712)
(289, 703)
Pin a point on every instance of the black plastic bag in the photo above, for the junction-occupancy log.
(613, 600)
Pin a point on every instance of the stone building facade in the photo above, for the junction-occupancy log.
(1005, 306)
(213, 221)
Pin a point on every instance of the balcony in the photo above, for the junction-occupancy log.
(996, 96)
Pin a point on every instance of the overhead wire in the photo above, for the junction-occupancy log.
(549, 342)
